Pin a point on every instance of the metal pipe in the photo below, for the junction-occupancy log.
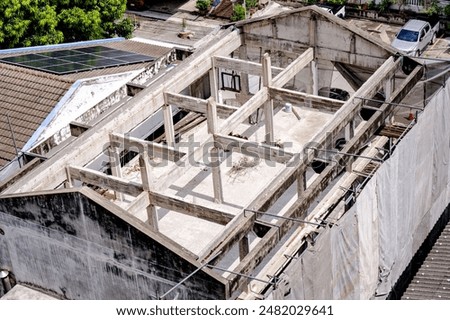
(285, 218)
(346, 154)
(190, 275)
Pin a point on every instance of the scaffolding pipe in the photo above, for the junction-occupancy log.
(285, 218)
(346, 154)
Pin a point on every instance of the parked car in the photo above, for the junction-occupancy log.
(414, 36)
(338, 11)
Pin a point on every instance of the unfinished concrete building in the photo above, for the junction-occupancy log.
(280, 193)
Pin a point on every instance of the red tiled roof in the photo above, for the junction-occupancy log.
(28, 96)
(224, 9)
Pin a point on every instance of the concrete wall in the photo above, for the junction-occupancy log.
(70, 245)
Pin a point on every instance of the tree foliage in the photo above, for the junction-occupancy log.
(238, 13)
(41, 22)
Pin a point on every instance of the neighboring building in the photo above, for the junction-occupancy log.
(38, 105)
(281, 193)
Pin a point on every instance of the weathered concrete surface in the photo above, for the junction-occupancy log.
(20, 292)
(70, 245)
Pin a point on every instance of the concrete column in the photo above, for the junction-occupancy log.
(349, 130)
(216, 175)
(244, 247)
(116, 170)
(268, 116)
(68, 184)
(268, 106)
(152, 213)
(213, 85)
(245, 84)
(389, 87)
(301, 184)
(315, 77)
(211, 116)
(168, 125)
(349, 134)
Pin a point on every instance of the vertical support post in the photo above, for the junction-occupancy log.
(69, 183)
(216, 175)
(315, 77)
(245, 82)
(268, 105)
(211, 115)
(146, 185)
(350, 130)
(116, 170)
(313, 43)
(349, 134)
(301, 183)
(213, 80)
(168, 125)
(244, 247)
(389, 85)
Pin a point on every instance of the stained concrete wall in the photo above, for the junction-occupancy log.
(72, 246)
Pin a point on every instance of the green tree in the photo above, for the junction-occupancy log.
(238, 13)
(28, 22)
(40, 22)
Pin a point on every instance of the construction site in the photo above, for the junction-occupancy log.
(241, 173)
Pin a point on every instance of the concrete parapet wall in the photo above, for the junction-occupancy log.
(70, 245)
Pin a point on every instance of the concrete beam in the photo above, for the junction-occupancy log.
(243, 66)
(298, 164)
(102, 180)
(341, 118)
(153, 149)
(252, 149)
(300, 207)
(296, 240)
(245, 111)
(293, 69)
(196, 104)
(263, 95)
(322, 53)
(143, 105)
(139, 204)
(190, 209)
(77, 128)
(311, 101)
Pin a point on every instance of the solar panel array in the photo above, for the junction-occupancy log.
(76, 60)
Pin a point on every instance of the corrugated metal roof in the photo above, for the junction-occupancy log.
(28, 96)
(432, 281)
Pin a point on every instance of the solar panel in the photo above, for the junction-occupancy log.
(77, 60)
